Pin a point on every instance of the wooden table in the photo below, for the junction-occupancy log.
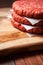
(23, 58)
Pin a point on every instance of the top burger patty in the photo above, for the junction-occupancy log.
(29, 8)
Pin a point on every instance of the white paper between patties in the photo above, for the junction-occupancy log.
(9, 14)
(33, 21)
(27, 27)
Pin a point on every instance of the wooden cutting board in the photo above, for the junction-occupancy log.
(12, 38)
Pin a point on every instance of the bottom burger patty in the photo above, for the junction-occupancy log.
(26, 28)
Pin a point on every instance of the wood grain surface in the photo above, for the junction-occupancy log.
(12, 39)
(30, 59)
(23, 58)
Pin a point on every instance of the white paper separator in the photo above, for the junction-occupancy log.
(33, 21)
(27, 27)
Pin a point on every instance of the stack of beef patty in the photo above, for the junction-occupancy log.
(27, 16)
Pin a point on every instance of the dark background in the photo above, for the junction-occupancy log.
(6, 3)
